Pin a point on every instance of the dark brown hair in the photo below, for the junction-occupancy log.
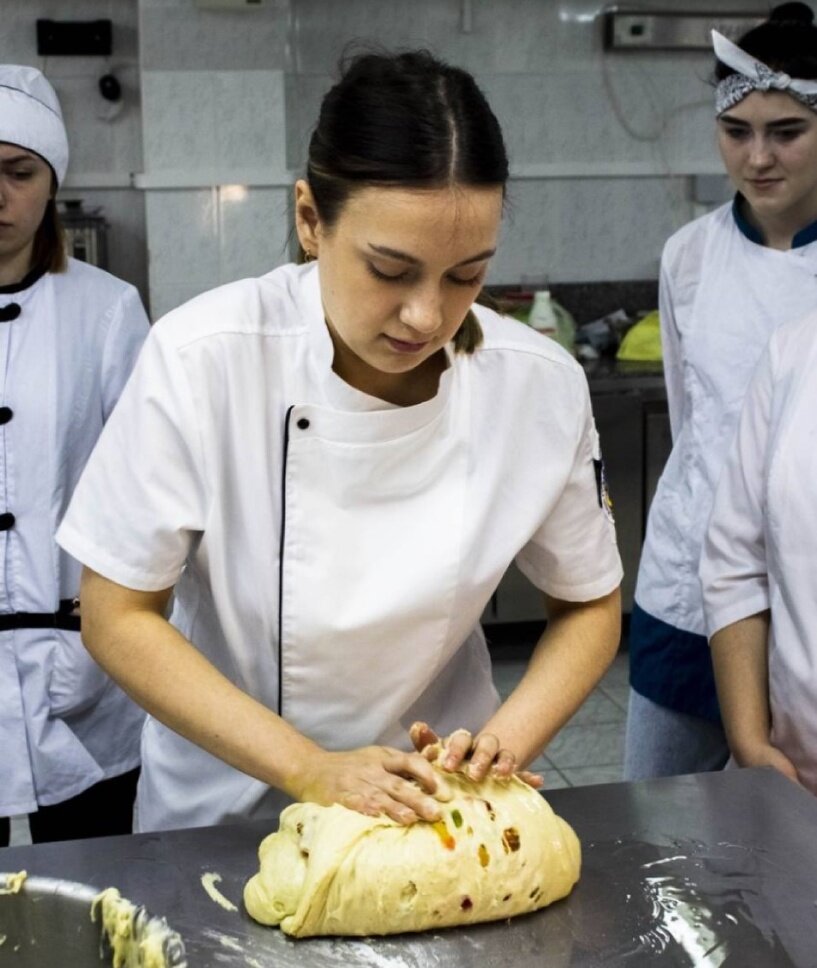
(787, 42)
(48, 253)
(406, 120)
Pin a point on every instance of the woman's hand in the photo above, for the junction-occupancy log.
(764, 754)
(375, 780)
(483, 753)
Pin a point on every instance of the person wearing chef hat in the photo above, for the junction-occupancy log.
(69, 335)
(728, 281)
(332, 467)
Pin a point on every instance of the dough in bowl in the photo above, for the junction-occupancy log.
(499, 850)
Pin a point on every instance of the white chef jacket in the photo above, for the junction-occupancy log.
(63, 362)
(236, 447)
(722, 295)
(761, 546)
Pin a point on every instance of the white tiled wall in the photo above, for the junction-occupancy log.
(105, 150)
(200, 238)
(224, 98)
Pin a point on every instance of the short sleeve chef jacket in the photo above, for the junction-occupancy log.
(761, 547)
(63, 362)
(331, 553)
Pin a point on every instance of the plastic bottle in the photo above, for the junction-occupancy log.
(548, 317)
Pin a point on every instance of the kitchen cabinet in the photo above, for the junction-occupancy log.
(630, 408)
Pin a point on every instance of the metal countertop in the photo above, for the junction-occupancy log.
(705, 870)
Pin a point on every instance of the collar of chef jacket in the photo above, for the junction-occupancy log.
(805, 236)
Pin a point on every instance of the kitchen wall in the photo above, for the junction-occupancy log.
(106, 146)
(603, 147)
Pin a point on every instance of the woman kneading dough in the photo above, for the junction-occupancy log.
(331, 467)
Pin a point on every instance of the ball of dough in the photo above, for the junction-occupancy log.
(499, 850)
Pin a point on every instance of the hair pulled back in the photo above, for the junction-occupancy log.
(786, 42)
(404, 120)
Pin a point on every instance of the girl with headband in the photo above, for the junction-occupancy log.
(728, 281)
(69, 335)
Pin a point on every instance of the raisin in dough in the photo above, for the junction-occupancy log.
(498, 851)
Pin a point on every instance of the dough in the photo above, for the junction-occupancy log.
(136, 940)
(14, 882)
(498, 851)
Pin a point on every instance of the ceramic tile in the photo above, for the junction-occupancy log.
(165, 297)
(176, 36)
(322, 30)
(507, 674)
(101, 139)
(304, 93)
(250, 128)
(254, 230)
(124, 210)
(20, 834)
(618, 673)
(183, 244)
(597, 709)
(576, 746)
(179, 126)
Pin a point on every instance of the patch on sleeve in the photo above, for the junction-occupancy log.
(601, 488)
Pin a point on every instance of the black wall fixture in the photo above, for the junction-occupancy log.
(74, 38)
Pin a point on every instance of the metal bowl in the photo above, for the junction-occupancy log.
(47, 924)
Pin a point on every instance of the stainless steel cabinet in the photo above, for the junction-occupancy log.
(631, 417)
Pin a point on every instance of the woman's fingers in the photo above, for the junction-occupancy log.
(425, 741)
(487, 755)
(422, 736)
(413, 766)
(534, 780)
(456, 749)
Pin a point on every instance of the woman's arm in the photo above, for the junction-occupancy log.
(576, 648)
(741, 661)
(127, 634)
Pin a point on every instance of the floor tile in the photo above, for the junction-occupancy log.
(20, 834)
(618, 671)
(618, 694)
(599, 745)
(598, 708)
(589, 749)
(507, 674)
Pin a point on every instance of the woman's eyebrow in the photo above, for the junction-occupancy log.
(412, 260)
(792, 122)
(16, 159)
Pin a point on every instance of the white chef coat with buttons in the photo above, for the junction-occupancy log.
(722, 296)
(63, 362)
(236, 448)
(761, 545)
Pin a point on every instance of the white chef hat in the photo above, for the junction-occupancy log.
(30, 115)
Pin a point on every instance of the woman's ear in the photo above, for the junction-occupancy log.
(307, 220)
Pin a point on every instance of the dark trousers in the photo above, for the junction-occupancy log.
(103, 810)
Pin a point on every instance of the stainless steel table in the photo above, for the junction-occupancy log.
(705, 870)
